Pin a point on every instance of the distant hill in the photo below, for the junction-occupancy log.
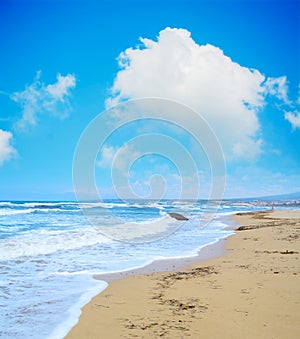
(281, 197)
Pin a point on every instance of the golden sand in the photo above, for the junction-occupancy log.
(253, 291)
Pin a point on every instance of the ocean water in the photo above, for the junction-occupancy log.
(49, 252)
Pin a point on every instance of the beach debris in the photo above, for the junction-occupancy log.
(272, 223)
(178, 216)
(281, 252)
(289, 252)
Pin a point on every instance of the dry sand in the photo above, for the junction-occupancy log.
(253, 291)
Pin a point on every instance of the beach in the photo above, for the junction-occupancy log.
(250, 290)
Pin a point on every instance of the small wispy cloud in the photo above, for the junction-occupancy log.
(293, 118)
(118, 158)
(39, 98)
(106, 156)
(278, 87)
(7, 151)
(292, 115)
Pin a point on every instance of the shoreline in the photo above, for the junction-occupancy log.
(250, 291)
(211, 250)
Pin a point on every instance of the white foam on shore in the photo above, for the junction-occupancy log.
(75, 311)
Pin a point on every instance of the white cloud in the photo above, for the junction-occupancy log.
(226, 94)
(6, 149)
(278, 87)
(125, 156)
(61, 88)
(293, 118)
(106, 156)
(118, 158)
(39, 98)
(247, 147)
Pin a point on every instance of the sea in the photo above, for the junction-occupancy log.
(51, 250)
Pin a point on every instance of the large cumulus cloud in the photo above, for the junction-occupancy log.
(228, 95)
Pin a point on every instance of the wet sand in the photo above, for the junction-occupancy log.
(251, 291)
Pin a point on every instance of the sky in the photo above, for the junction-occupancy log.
(235, 64)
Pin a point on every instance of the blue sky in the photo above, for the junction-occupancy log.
(235, 61)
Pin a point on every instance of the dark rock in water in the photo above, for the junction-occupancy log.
(177, 216)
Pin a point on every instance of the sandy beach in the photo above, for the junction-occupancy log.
(252, 290)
